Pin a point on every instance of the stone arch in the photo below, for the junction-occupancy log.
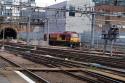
(8, 33)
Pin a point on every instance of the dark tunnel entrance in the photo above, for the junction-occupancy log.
(8, 33)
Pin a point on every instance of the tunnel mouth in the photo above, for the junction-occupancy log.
(9, 33)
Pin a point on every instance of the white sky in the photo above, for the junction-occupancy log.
(44, 3)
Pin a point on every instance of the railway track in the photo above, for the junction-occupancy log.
(5, 65)
(90, 52)
(85, 51)
(86, 57)
(109, 61)
(13, 64)
(35, 71)
(54, 62)
(72, 51)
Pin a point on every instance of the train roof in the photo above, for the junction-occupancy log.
(66, 32)
(69, 32)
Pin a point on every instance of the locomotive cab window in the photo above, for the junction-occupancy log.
(75, 35)
(63, 37)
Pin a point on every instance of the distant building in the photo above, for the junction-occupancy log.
(69, 21)
(11, 10)
(115, 10)
(7, 8)
(60, 21)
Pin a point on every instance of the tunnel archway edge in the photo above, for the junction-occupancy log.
(15, 31)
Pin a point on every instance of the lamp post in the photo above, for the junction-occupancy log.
(47, 31)
(46, 20)
(3, 46)
(28, 30)
(92, 30)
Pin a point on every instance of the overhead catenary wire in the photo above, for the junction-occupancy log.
(90, 10)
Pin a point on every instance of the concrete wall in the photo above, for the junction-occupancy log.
(36, 34)
(78, 23)
(56, 19)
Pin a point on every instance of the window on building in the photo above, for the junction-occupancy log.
(64, 12)
(71, 11)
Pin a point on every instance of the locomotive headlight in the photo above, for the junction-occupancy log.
(74, 40)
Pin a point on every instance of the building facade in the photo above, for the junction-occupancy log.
(60, 21)
(76, 21)
(115, 16)
(81, 23)
(114, 8)
(7, 8)
(19, 17)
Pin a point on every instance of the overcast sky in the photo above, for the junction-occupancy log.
(47, 2)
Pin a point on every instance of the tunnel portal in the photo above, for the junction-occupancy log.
(8, 33)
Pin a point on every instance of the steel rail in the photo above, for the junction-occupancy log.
(39, 79)
(106, 77)
(98, 60)
(83, 78)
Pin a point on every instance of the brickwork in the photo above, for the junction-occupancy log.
(118, 20)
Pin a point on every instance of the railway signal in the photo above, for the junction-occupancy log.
(111, 35)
